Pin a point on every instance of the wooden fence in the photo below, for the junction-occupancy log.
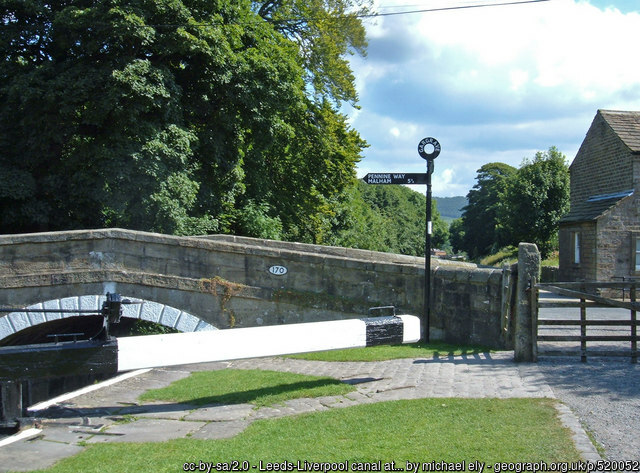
(583, 295)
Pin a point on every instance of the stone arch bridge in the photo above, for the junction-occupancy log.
(221, 281)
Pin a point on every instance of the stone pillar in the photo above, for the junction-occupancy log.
(528, 268)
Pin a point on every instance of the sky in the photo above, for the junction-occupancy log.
(492, 84)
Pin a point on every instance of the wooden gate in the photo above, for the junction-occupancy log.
(582, 295)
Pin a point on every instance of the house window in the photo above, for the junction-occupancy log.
(576, 244)
(636, 252)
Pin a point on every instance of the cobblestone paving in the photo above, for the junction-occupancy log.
(482, 375)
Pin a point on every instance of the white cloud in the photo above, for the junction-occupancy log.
(518, 78)
(492, 84)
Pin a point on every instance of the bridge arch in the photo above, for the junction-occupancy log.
(206, 301)
(147, 310)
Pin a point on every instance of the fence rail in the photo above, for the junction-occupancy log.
(584, 292)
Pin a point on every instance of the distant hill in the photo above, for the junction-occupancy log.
(450, 208)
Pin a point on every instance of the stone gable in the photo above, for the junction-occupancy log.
(603, 164)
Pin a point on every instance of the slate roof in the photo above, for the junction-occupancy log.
(626, 125)
(593, 207)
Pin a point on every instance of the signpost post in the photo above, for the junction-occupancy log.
(428, 149)
(423, 146)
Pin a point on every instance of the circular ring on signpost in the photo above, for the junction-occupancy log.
(429, 141)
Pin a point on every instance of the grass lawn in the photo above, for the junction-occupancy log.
(423, 430)
(391, 352)
(258, 387)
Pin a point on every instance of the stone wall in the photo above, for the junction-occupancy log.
(227, 284)
(607, 251)
(615, 231)
(473, 305)
(226, 281)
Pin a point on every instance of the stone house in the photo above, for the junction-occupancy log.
(600, 236)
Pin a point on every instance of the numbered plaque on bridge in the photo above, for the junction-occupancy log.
(395, 178)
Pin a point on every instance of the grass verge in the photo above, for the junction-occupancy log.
(504, 255)
(391, 352)
(423, 430)
(510, 255)
(258, 387)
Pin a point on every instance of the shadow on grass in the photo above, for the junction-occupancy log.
(269, 394)
(265, 396)
(109, 411)
(441, 349)
(390, 352)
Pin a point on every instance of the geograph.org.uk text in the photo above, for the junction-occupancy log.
(411, 467)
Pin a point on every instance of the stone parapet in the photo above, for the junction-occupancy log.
(230, 282)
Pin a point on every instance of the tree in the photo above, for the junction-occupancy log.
(326, 33)
(387, 218)
(356, 224)
(301, 175)
(480, 233)
(456, 235)
(534, 200)
(175, 116)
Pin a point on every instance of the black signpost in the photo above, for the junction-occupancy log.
(428, 149)
(423, 148)
(395, 178)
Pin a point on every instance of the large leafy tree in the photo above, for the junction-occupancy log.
(326, 31)
(177, 116)
(478, 233)
(299, 177)
(534, 200)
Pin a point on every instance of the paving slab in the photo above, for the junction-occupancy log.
(67, 434)
(221, 413)
(147, 430)
(221, 430)
(175, 411)
(127, 392)
(35, 454)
